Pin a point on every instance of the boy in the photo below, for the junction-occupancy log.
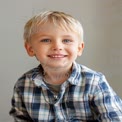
(59, 89)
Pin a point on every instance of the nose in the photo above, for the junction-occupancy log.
(57, 45)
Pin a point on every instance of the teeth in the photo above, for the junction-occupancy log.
(56, 56)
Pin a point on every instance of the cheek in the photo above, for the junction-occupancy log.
(74, 48)
(40, 52)
(73, 51)
(37, 49)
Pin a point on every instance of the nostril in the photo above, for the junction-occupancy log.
(57, 46)
(57, 49)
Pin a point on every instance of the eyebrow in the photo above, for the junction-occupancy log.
(67, 36)
(46, 35)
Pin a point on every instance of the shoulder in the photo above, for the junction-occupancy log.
(92, 77)
(27, 77)
(89, 73)
(95, 79)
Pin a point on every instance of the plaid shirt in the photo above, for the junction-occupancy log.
(85, 97)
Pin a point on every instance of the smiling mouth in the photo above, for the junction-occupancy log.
(57, 56)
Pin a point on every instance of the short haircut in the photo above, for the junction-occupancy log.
(60, 19)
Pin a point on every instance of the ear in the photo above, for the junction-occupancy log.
(80, 48)
(29, 49)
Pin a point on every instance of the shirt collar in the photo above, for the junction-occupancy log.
(37, 76)
(75, 76)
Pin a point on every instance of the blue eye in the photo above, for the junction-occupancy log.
(46, 40)
(66, 40)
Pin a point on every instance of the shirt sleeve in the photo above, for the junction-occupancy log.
(18, 110)
(106, 104)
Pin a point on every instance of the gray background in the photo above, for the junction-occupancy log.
(102, 22)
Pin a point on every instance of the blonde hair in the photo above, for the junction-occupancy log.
(60, 19)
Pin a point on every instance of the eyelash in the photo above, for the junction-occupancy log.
(48, 40)
(45, 40)
(67, 40)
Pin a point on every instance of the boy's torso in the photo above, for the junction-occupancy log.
(72, 103)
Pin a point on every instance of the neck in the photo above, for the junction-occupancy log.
(56, 77)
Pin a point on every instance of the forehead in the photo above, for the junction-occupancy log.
(51, 28)
(52, 31)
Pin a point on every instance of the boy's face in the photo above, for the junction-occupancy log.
(54, 47)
